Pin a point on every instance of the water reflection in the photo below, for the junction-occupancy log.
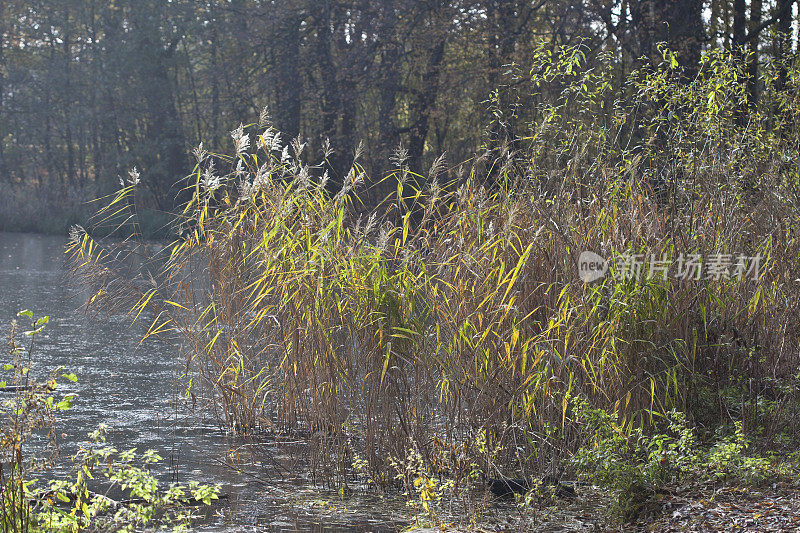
(134, 389)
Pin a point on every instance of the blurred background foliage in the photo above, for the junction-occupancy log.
(89, 89)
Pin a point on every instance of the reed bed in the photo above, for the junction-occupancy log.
(446, 329)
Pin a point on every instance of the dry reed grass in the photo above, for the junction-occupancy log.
(450, 320)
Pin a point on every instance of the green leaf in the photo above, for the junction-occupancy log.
(42, 321)
(72, 377)
(26, 313)
(65, 404)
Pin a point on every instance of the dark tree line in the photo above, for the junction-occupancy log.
(89, 89)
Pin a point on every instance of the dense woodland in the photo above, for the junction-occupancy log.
(91, 89)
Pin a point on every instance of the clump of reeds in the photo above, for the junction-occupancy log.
(450, 320)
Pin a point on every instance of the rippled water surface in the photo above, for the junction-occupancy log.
(135, 390)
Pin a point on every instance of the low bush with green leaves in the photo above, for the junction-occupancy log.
(78, 503)
(637, 464)
(78, 500)
(27, 408)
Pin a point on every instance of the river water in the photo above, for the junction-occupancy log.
(135, 390)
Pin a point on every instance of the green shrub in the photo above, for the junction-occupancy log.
(69, 504)
(637, 465)
(27, 409)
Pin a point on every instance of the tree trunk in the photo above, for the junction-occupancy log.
(166, 165)
(739, 23)
(680, 25)
(389, 85)
(752, 65)
(784, 41)
(4, 175)
(288, 93)
(67, 95)
(423, 105)
(502, 39)
(330, 101)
